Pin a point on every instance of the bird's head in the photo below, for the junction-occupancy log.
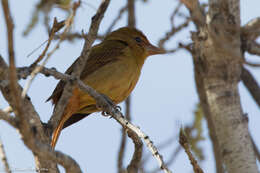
(136, 40)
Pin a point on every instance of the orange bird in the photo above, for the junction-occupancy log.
(113, 69)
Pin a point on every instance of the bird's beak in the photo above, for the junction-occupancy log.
(153, 50)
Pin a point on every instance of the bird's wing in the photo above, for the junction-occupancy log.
(100, 55)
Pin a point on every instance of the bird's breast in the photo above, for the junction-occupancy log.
(116, 80)
(124, 82)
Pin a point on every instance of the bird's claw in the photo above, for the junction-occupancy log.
(105, 114)
(118, 108)
(112, 104)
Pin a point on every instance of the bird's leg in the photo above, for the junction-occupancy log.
(111, 103)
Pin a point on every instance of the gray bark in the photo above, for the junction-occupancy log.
(218, 63)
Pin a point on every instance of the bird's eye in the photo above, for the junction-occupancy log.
(138, 39)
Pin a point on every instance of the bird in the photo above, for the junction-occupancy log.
(112, 69)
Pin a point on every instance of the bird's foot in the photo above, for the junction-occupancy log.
(112, 104)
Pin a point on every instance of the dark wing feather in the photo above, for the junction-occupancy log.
(100, 55)
(73, 119)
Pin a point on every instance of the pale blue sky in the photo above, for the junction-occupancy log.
(163, 100)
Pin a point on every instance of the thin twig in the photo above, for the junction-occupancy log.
(137, 156)
(69, 164)
(4, 158)
(12, 69)
(175, 12)
(71, 36)
(122, 147)
(31, 115)
(252, 29)
(251, 64)
(131, 13)
(185, 144)
(172, 32)
(121, 153)
(161, 146)
(8, 118)
(56, 27)
(44, 150)
(173, 157)
(113, 23)
(196, 11)
(29, 126)
(252, 47)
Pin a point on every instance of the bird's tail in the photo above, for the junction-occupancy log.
(56, 133)
(65, 122)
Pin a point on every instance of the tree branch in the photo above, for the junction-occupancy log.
(34, 138)
(4, 158)
(217, 48)
(251, 47)
(122, 147)
(120, 14)
(197, 13)
(13, 121)
(251, 84)
(173, 31)
(137, 156)
(12, 70)
(185, 144)
(252, 29)
(45, 151)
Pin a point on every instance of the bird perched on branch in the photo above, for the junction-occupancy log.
(113, 69)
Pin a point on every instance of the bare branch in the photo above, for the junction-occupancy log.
(73, 36)
(120, 14)
(171, 160)
(31, 129)
(196, 12)
(45, 151)
(173, 31)
(31, 114)
(14, 98)
(185, 144)
(131, 13)
(251, 64)
(137, 156)
(175, 12)
(56, 27)
(121, 153)
(206, 111)
(252, 29)
(252, 47)
(12, 70)
(251, 84)
(4, 158)
(8, 118)
(123, 138)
